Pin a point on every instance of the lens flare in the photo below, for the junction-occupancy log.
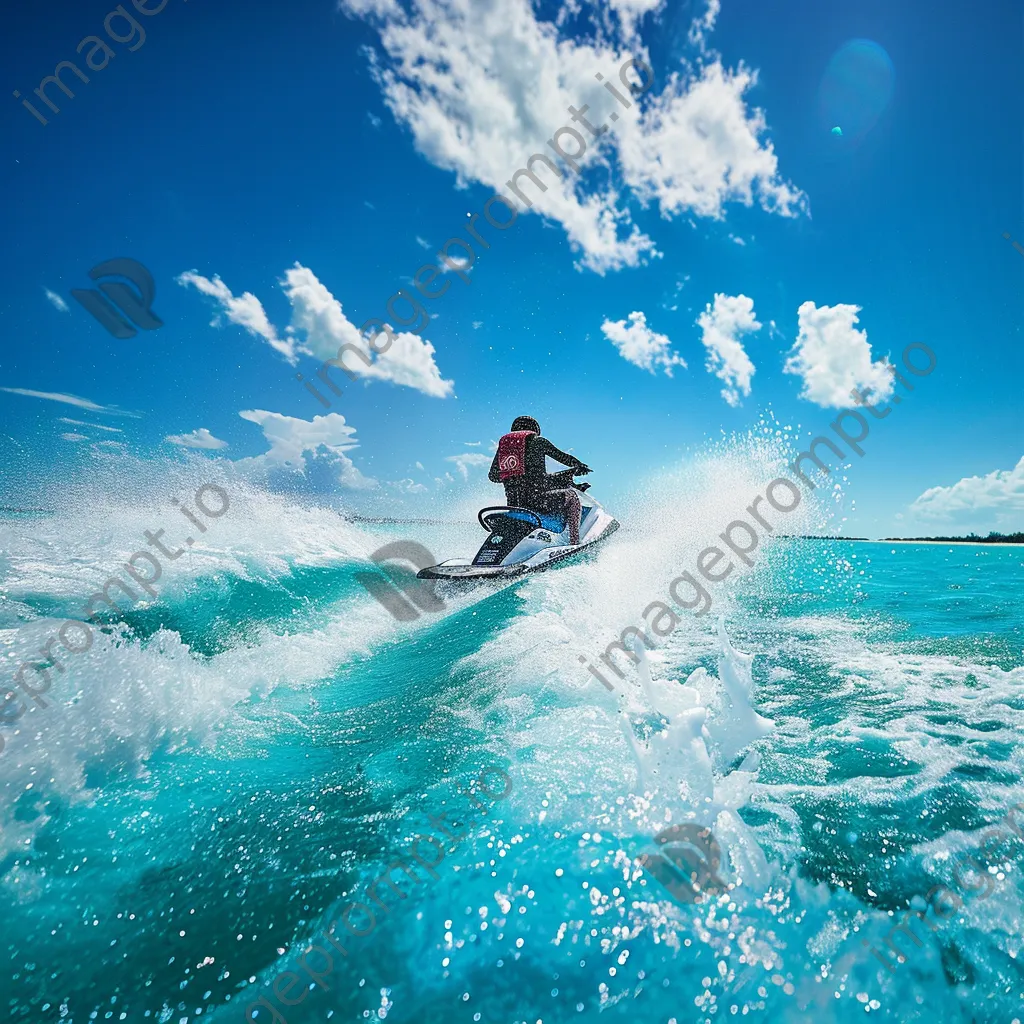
(856, 87)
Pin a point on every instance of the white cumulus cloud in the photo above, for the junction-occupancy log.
(290, 438)
(722, 327)
(631, 13)
(832, 357)
(1000, 492)
(640, 345)
(319, 328)
(350, 476)
(483, 85)
(319, 316)
(200, 438)
(698, 147)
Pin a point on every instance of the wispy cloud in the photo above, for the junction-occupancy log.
(200, 438)
(408, 486)
(92, 426)
(56, 301)
(245, 310)
(81, 403)
(699, 27)
(467, 459)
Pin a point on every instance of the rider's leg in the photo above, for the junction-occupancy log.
(567, 501)
(573, 514)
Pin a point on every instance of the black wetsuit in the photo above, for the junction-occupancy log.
(531, 490)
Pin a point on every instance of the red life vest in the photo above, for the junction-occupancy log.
(512, 454)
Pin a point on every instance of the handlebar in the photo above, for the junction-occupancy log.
(485, 513)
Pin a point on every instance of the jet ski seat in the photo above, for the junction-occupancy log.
(549, 521)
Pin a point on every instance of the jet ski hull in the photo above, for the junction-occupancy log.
(526, 550)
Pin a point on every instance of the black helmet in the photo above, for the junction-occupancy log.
(526, 423)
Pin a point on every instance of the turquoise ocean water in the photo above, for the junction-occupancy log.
(235, 763)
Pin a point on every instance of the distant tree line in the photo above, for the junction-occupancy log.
(973, 538)
(819, 536)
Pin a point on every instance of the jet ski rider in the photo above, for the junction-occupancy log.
(519, 465)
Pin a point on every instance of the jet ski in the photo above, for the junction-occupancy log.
(520, 540)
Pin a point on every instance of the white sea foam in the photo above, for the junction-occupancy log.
(617, 767)
(686, 770)
(96, 524)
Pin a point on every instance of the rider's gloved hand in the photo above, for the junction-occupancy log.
(582, 469)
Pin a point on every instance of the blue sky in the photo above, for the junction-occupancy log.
(298, 163)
